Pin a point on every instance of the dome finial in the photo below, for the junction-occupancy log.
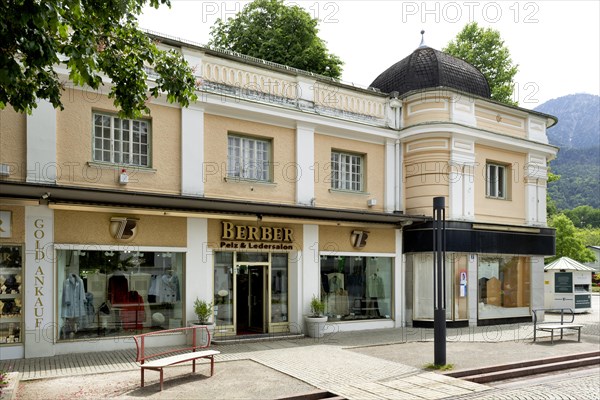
(422, 39)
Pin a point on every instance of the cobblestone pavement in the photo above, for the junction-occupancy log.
(375, 364)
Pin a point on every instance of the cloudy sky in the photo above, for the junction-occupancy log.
(555, 43)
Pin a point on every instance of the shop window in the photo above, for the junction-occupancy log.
(121, 141)
(114, 293)
(356, 288)
(347, 171)
(279, 288)
(11, 294)
(496, 182)
(503, 287)
(223, 289)
(248, 158)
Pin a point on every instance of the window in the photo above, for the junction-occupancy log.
(118, 293)
(121, 141)
(248, 158)
(496, 181)
(347, 171)
(356, 288)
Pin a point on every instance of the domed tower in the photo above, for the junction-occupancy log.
(430, 68)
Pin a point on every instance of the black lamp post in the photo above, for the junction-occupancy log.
(439, 280)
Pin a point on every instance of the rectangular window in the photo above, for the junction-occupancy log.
(496, 181)
(504, 288)
(347, 171)
(118, 293)
(248, 158)
(121, 141)
(356, 288)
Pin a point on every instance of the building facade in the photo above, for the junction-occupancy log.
(277, 185)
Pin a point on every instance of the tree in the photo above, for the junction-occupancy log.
(484, 49)
(90, 38)
(584, 216)
(270, 30)
(568, 244)
(551, 208)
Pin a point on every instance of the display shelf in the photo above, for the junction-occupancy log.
(4, 319)
(11, 315)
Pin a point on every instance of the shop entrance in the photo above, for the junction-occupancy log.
(251, 296)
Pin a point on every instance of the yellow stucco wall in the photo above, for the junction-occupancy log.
(374, 156)
(506, 123)
(75, 227)
(511, 210)
(426, 110)
(74, 147)
(13, 137)
(215, 231)
(17, 224)
(282, 189)
(337, 238)
(426, 173)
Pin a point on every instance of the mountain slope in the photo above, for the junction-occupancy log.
(578, 163)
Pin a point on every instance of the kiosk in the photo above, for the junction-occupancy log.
(568, 284)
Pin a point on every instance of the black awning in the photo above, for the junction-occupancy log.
(182, 203)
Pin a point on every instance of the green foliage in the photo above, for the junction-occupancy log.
(568, 244)
(317, 307)
(589, 236)
(579, 184)
(436, 367)
(92, 38)
(484, 49)
(203, 310)
(584, 216)
(551, 208)
(273, 31)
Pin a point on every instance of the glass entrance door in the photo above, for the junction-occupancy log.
(251, 299)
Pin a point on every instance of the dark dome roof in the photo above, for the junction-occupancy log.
(428, 68)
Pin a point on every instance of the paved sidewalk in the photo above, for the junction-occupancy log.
(374, 364)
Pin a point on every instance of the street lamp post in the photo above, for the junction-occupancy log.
(439, 280)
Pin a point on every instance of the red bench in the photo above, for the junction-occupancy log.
(197, 339)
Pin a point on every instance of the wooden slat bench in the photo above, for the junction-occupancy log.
(551, 326)
(198, 336)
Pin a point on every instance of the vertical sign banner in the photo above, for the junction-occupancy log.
(39, 281)
(5, 224)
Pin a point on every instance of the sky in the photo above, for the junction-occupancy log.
(555, 43)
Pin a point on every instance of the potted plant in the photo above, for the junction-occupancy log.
(315, 322)
(203, 310)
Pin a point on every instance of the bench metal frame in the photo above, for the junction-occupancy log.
(552, 326)
(177, 355)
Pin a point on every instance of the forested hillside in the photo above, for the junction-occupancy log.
(578, 162)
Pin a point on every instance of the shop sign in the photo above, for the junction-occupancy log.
(359, 239)
(5, 224)
(123, 229)
(583, 301)
(255, 237)
(563, 282)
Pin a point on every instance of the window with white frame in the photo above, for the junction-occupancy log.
(496, 181)
(347, 171)
(121, 141)
(248, 158)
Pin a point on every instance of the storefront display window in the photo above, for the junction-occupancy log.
(11, 294)
(279, 288)
(223, 300)
(503, 287)
(111, 293)
(356, 288)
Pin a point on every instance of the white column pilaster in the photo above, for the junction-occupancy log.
(310, 267)
(198, 265)
(472, 280)
(461, 185)
(390, 176)
(399, 284)
(39, 281)
(192, 152)
(305, 159)
(41, 144)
